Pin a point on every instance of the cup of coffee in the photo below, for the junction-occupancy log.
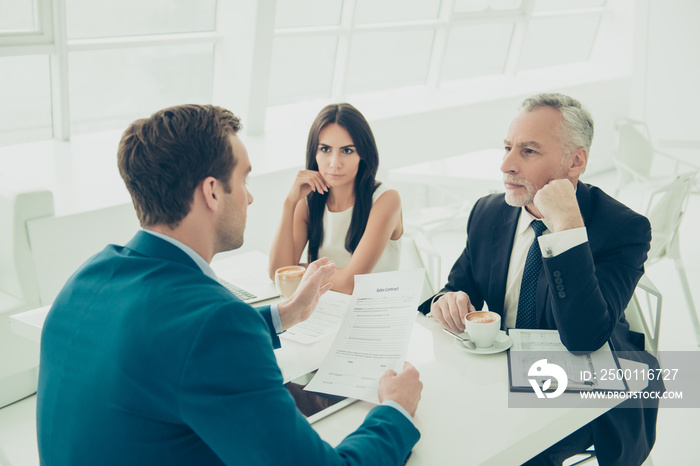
(287, 279)
(482, 327)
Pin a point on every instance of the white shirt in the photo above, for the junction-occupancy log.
(551, 244)
(335, 229)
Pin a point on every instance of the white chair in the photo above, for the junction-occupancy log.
(41, 251)
(416, 253)
(638, 162)
(643, 313)
(18, 283)
(60, 244)
(437, 219)
(19, 290)
(643, 316)
(665, 211)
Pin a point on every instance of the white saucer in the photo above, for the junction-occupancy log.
(503, 342)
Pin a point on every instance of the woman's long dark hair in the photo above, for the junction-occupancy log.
(354, 123)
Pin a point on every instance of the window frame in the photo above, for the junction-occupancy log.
(21, 42)
(442, 25)
(243, 39)
(50, 38)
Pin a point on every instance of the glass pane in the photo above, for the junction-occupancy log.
(111, 88)
(469, 6)
(382, 60)
(301, 13)
(476, 50)
(17, 15)
(109, 18)
(379, 11)
(302, 68)
(544, 5)
(25, 99)
(558, 41)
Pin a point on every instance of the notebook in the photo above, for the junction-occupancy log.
(539, 356)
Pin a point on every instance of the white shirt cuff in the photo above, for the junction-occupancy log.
(555, 243)
(435, 298)
(394, 404)
(276, 320)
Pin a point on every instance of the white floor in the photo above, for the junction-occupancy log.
(677, 430)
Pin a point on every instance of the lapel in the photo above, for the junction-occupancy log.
(502, 234)
(149, 245)
(542, 306)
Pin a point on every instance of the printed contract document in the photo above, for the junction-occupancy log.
(373, 337)
(325, 319)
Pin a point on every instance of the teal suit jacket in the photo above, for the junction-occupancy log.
(146, 360)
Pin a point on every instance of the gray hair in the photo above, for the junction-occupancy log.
(576, 129)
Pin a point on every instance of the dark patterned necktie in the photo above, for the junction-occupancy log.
(528, 286)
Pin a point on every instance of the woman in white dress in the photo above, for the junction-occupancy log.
(336, 206)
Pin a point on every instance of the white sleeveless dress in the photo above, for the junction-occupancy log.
(335, 229)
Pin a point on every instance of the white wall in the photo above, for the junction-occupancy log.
(422, 136)
(667, 65)
(269, 191)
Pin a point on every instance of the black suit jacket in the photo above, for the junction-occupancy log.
(582, 292)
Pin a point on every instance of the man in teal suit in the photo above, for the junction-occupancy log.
(147, 359)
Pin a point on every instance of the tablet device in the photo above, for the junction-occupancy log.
(314, 405)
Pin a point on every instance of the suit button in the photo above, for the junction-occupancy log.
(562, 295)
(558, 280)
(556, 273)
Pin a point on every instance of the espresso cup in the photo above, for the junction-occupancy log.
(287, 279)
(482, 327)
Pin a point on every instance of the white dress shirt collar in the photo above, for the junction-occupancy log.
(199, 260)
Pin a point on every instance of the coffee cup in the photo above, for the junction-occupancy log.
(482, 327)
(287, 279)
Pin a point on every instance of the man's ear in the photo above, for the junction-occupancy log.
(209, 191)
(577, 162)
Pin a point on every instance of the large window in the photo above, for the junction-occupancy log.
(109, 88)
(75, 66)
(25, 98)
(18, 17)
(348, 47)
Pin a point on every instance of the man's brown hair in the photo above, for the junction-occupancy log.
(163, 158)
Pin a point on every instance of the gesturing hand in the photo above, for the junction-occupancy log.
(314, 283)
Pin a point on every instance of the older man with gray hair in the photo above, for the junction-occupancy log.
(555, 253)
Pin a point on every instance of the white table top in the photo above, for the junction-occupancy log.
(29, 323)
(482, 169)
(463, 406)
(463, 415)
